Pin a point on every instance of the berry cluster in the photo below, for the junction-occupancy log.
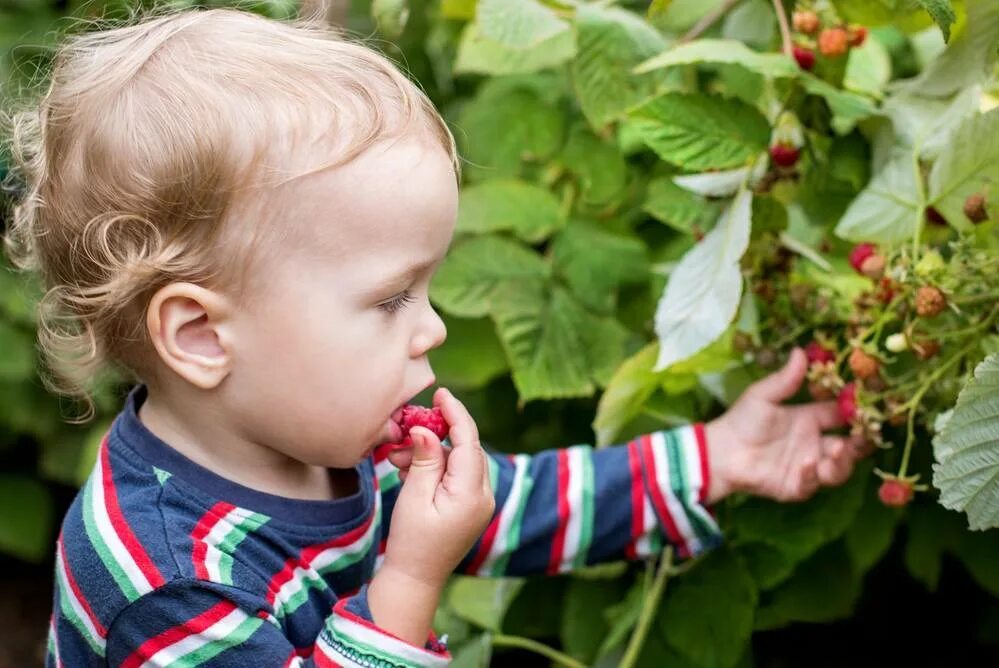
(824, 34)
(419, 416)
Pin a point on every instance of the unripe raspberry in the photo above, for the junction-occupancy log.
(804, 56)
(930, 302)
(784, 155)
(897, 343)
(886, 290)
(856, 35)
(925, 349)
(974, 208)
(819, 391)
(895, 493)
(419, 416)
(873, 266)
(805, 21)
(860, 253)
(818, 354)
(846, 401)
(833, 42)
(863, 365)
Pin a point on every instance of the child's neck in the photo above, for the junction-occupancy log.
(250, 464)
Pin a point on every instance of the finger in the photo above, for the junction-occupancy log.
(824, 413)
(834, 471)
(466, 464)
(402, 458)
(782, 384)
(428, 464)
(463, 429)
(808, 479)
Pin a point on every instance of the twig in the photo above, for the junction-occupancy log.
(649, 607)
(785, 29)
(537, 647)
(708, 20)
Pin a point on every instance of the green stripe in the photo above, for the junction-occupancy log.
(389, 480)
(493, 472)
(103, 551)
(586, 530)
(342, 638)
(302, 595)
(513, 537)
(70, 613)
(210, 650)
(679, 482)
(232, 540)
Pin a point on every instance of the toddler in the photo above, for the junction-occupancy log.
(244, 216)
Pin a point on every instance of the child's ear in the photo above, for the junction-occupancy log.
(190, 329)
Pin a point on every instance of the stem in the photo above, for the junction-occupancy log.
(921, 202)
(539, 648)
(649, 606)
(785, 29)
(707, 21)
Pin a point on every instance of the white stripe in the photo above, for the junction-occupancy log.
(643, 546)
(675, 508)
(692, 459)
(574, 526)
(74, 602)
(109, 535)
(219, 531)
(508, 514)
(362, 634)
(297, 661)
(216, 631)
(55, 642)
(384, 468)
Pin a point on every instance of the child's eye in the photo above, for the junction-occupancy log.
(397, 302)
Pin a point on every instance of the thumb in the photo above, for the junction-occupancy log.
(428, 464)
(783, 383)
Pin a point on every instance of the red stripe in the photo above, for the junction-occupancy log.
(201, 530)
(702, 449)
(101, 631)
(488, 538)
(120, 525)
(659, 501)
(324, 661)
(558, 542)
(306, 556)
(341, 609)
(191, 627)
(637, 504)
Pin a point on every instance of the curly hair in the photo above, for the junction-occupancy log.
(157, 153)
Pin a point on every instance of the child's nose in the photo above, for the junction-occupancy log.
(432, 334)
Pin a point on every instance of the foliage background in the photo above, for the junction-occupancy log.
(571, 227)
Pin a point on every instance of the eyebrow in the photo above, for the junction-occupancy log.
(405, 275)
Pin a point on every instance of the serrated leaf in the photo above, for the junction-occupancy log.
(885, 211)
(483, 601)
(630, 386)
(929, 122)
(556, 347)
(517, 24)
(611, 42)
(718, 51)
(942, 13)
(970, 164)
(701, 132)
(847, 108)
(678, 207)
(480, 55)
(868, 69)
(602, 170)
(529, 211)
(595, 262)
(714, 184)
(703, 292)
(475, 269)
(967, 451)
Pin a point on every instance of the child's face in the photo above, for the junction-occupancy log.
(337, 341)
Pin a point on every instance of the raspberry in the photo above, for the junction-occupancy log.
(804, 56)
(925, 349)
(805, 21)
(856, 35)
(934, 216)
(862, 364)
(833, 42)
(418, 416)
(784, 155)
(974, 208)
(819, 391)
(929, 301)
(817, 353)
(847, 402)
(897, 343)
(886, 290)
(873, 267)
(895, 493)
(860, 253)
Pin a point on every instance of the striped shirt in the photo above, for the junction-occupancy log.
(162, 562)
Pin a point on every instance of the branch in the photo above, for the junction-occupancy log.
(708, 20)
(785, 30)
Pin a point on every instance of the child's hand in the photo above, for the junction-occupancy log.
(446, 501)
(763, 448)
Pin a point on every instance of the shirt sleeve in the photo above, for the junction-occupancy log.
(562, 509)
(192, 622)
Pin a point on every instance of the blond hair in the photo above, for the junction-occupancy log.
(134, 155)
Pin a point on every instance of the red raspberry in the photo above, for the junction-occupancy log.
(862, 364)
(784, 155)
(886, 290)
(895, 493)
(804, 56)
(847, 402)
(930, 301)
(856, 35)
(860, 253)
(805, 21)
(818, 354)
(419, 416)
(833, 42)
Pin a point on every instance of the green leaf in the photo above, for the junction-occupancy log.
(929, 122)
(722, 51)
(630, 386)
(602, 170)
(930, 530)
(478, 54)
(708, 615)
(476, 268)
(942, 13)
(595, 262)
(753, 22)
(885, 211)
(871, 533)
(970, 164)
(483, 601)
(472, 355)
(611, 42)
(622, 617)
(556, 347)
(847, 108)
(26, 517)
(517, 24)
(391, 16)
(17, 353)
(701, 132)
(702, 295)
(476, 653)
(868, 69)
(678, 207)
(967, 450)
(529, 211)
(979, 552)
